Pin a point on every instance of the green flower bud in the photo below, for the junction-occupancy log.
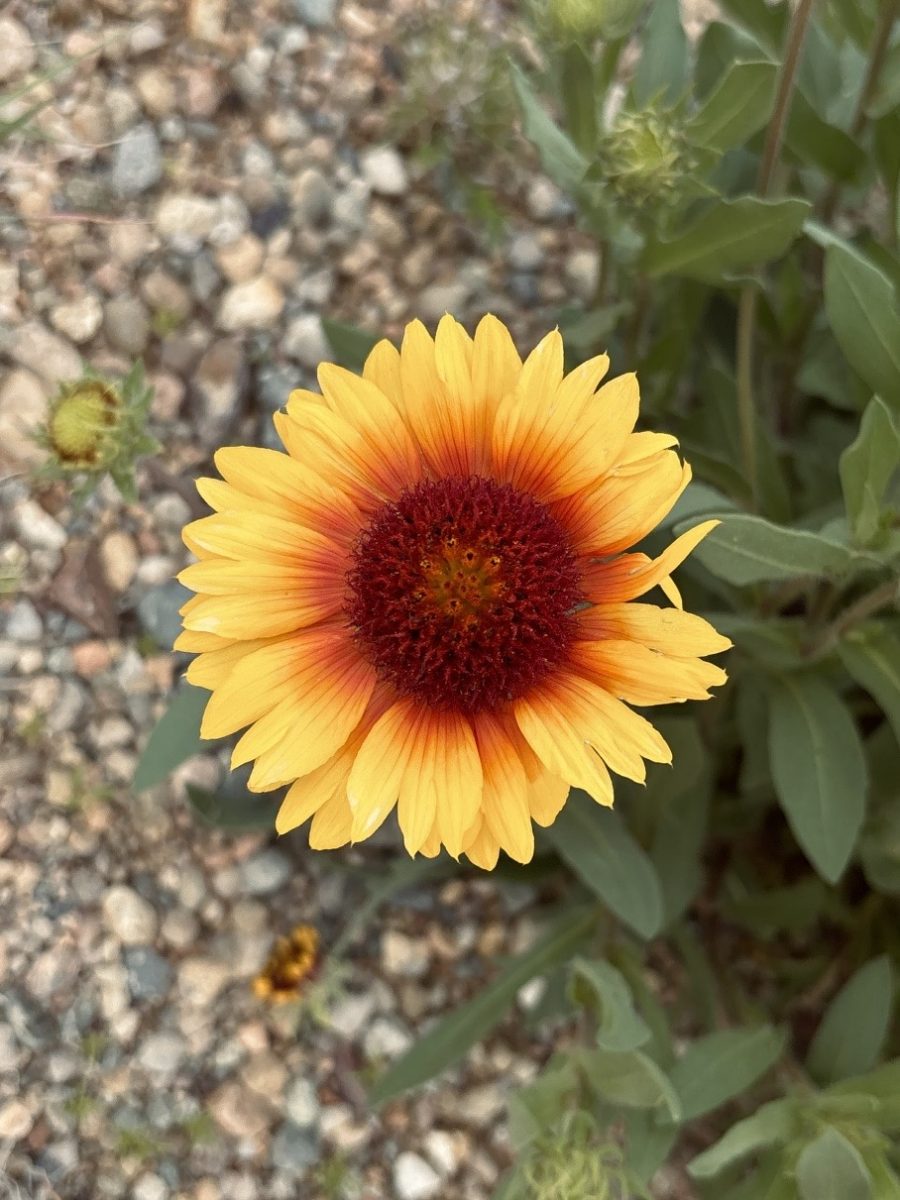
(595, 18)
(82, 423)
(575, 1162)
(644, 159)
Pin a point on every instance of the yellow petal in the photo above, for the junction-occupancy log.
(330, 827)
(482, 848)
(669, 630)
(377, 772)
(644, 677)
(631, 575)
(211, 668)
(496, 367)
(504, 803)
(561, 743)
(382, 367)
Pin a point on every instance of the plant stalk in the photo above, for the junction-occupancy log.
(872, 602)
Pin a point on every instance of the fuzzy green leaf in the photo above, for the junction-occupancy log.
(738, 107)
(866, 468)
(862, 309)
(619, 1027)
(871, 653)
(852, 1033)
(749, 549)
(770, 1125)
(560, 158)
(831, 1168)
(721, 1065)
(175, 738)
(818, 768)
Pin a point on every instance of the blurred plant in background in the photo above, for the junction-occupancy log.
(723, 950)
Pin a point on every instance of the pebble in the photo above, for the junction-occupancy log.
(293, 1149)
(53, 971)
(351, 1014)
(186, 221)
(50, 357)
(119, 559)
(78, 319)
(127, 324)
(206, 20)
(313, 197)
(441, 1148)
(219, 384)
(149, 974)
(36, 527)
(582, 269)
(137, 162)
(23, 623)
(305, 341)
(18, 52)
(200, 980)
(241, 259)
(402, 955)
(414, 1178)
(442, 298)
(384, 171)
(16, 1118)
(23, 407)
(239, 1111)
(129, 917)
(163, 1052)
(525, 252)
(150, 1187)
(251, 305)
(316, 13)
(265, 873)
(385, 1039)
(302, 1104)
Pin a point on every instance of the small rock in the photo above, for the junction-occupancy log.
(16, 1118)
(119, 559)
(127, 324)
(313, 197)
(18, 52)
(23, 407)
(157, 91)
(385, 1039)
(351, 1014)
(305, 341)
(53, 971)
(179, 928)
(36, 527)
(206, 20)
(240, 1112)
(23, 623)
(265, 872)
(302, 1104)
(525, 252)
(47, 355)
(414, 1178)
(149, 974)
(186, 220)
(78, 319)
(146, 37)
(442, 298)
(219, 383)
(384, 171)
(242, 259)
(251, 305)
(162, 1052)
(315, 12)
(582, 269)
(129, 917)
(402, 955)
(441, 1148)
(545, 200)
(293, 1149)
(265, 1073)
(137, 163)
(150, 1187)
(200, 980)
(165, 295)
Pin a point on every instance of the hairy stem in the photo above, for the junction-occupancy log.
(883, 596)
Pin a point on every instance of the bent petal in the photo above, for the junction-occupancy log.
(504, 803)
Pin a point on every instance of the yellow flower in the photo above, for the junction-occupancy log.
(290, 964)
(426, 604)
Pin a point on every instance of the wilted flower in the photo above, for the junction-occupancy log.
(289, 966)
(426, 605)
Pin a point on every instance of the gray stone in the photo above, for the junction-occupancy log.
(129, 916)
(53, 971)
(384, 171)
(442, 298)
(315, 12)
(582, 270)
(293, 1148)
(162, 1052)
(265, 873)
(414, 1178)
(127, 324)
(302, 1104)
(149, 974)
(313, 197)
(219, 384)
(525, 252)
(137, 163)
(158, 612)
(305, 341)
(385, 1039)
(403, 955)
(23, 623)
(255, 304)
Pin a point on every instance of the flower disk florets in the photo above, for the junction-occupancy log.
(462, 593)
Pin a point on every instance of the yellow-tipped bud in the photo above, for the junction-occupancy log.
(595, 18)
(83, 417)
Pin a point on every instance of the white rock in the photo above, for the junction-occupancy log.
(385, 1039)
(78, 319)
(241, 260)
(16, 1118)
(402, 955)
(351, 1014)
(23, 407)
(302, 1104)
(440, 1147)
(17, 55)
(186, 221)
(129, 916)
(525, 252)
(265, 872)
(162, 1052)
(36, 527)
(251, 305)
(305, 341)
(119, 559)
(150, 1187)
(23, 623)
(200, 980)
(206, 19)
(414, 1178)
(582, 270)
(48, 356)
(384, 171)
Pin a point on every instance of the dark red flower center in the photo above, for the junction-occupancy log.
(461, 593)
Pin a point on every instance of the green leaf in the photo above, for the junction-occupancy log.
(682, 793)
(862, 309)
(818, 768)
(455, 1034)
(820, 144)
(632, 1079)
(351, 345)
(579, 99)
(738, 107)
(537, 1108)
(233, 807)
(662, 71)
(722, 1065)
(620, 1027)
(867, 466)
(883, 1084)
(871, 653)
(831, 1168)
(562, 160)
(730, 235)
(765, 22)
(749, 549)
(605, 856)
(771, 1125)
(852, 1033)
(175, 738)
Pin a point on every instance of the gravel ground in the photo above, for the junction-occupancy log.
(199, 192)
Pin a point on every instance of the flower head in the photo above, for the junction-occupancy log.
(290, 965)
(427, 604)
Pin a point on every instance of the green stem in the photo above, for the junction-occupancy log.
(746, 322)
(872, 602)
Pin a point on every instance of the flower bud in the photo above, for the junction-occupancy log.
(82, 424)
(595, 18)
(644, 158)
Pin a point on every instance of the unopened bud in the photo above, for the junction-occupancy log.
(595, 18)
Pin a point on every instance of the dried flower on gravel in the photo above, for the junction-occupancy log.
(289, 966)
(427, 604)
